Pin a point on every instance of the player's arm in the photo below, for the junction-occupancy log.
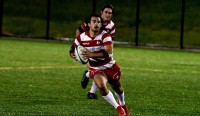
(106, 53)
(108, 49)
(71, 52)
(77, 32)
(81, 29)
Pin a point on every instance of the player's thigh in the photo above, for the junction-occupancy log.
(100, 80)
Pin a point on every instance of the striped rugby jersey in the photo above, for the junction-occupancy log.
(96, 44)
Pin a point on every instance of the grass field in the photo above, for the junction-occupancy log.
(39, 78)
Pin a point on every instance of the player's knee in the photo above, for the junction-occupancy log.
(102, 87)
(118, 90)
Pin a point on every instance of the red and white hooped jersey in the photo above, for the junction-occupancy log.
(110, 28)
(96, 44)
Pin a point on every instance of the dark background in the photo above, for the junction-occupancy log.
(159, 20)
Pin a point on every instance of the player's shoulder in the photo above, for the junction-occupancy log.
(105, 34)
(110, 25)
(85, 33)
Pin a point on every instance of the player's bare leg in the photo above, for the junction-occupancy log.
(101, 81)
(119, 92)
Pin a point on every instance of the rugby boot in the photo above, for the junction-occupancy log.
(85, 80)
(92, 96)
(125, 108)
(120, 111)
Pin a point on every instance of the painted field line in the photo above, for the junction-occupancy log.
(38, 67)
(84, 66)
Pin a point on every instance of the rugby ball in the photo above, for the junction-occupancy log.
(78, 54)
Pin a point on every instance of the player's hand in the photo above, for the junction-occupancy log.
(72, 55)
(87, 54)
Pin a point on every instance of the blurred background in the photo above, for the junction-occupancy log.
(159, 21)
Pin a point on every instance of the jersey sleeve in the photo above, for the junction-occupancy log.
(107, 40)
(112, 32)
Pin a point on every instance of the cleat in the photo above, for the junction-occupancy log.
(85, 80)
(92, 96)
(120, 111)
(125, 108)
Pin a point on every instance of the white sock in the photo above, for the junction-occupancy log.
(87, 74)
(121, 99)
(94, 88)
(110, 98)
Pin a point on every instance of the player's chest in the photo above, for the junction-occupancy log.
(91, 43)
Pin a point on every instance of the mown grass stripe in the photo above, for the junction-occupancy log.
(83, 66)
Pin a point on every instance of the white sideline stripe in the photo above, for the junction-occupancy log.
(158, 70)
(41, 67)
(83, 66)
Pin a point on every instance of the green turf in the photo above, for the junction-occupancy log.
(39, 78)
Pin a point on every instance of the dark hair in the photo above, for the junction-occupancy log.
(88, 19)
(108, 6)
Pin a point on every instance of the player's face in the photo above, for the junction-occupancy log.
(95, 24)
(106, 14)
